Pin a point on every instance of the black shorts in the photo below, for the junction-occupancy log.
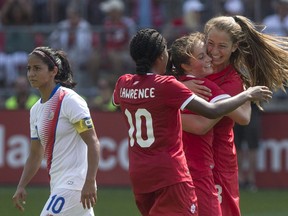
(249, 133)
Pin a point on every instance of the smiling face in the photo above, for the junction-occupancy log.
(219, 48)
(38, 73)
(200, 63)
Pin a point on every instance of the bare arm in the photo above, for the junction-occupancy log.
(242, 114)
(197, 124)
(89, 190)
(31, 167)
(200, 125)
(223, 107)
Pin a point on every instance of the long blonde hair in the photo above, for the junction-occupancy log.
(261, 59)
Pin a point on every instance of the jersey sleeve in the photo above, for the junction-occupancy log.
(115, 96)
(75, 108)
(178, 94)
(33, 127)
(217, 92)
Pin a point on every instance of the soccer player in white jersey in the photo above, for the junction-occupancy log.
(151, 104)
(63, 132)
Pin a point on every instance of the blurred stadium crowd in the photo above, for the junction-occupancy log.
(96, 35)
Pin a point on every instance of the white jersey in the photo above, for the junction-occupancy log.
(52, 123)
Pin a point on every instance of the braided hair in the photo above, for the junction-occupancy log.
(56, 58)
(145, 47)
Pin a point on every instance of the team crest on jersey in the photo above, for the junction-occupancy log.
(70, 182)
(51, 115)
(193, 208)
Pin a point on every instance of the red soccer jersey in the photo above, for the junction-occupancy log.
(198, 149)
(151, 105)
(225, 156)
(116, 34)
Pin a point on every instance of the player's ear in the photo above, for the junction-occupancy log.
(186, 67)
(55, 71)
(234, 47)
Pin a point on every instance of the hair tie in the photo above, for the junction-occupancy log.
(44, 55)
(236, 19)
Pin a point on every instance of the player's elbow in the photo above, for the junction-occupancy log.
(243, 122)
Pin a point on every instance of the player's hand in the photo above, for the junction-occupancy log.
(19, 198)
(197, 87)
(259, 93)
(89, 194)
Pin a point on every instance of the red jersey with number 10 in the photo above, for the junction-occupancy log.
(151, 105)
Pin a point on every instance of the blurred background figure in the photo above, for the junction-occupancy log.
(247, 139)
(17, 13)
(74, 36)
(149, 13)
(192, 10)
(233, 7)
(277, 24)
(22, 95)
(118, 29)
(94, 14)
(190, 21)
(16, 39)
(103, 100)
(56, 9)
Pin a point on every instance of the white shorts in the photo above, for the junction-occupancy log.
(63, 202)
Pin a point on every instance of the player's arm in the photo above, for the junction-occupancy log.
(31, 167)
(223, 107)
(242, 114)
(197, 124)
(197, 87)
(87, 132)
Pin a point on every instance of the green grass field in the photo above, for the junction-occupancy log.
(119, 202)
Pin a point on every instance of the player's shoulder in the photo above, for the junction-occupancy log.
(210, 84)
(71, 95)
(162, 79)
(126, 77)
(35, 106)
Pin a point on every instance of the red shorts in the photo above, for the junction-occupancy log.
(207, 196)
(174, 200)
(228, 192)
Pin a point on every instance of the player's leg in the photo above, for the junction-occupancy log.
(228, 192)
(176, 200)
(239, 138)
(65, 202)
(144, 202)
(207, 196)
(253, 136)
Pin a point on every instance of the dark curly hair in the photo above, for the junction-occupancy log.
(145, 47)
